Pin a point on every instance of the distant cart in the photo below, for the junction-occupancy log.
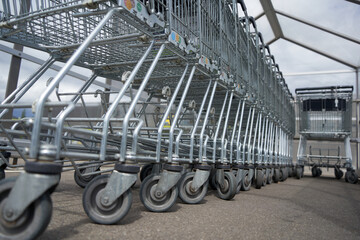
(325, 114)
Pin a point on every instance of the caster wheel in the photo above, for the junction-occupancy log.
(32, 223)
(246, 181)
(314, 172)
(319, 172)
(97, 211)
(338, 173)
(259, 179)
(2, 174)
(186, 194)
(299, 172)
(351, 177)
(229, 190)
(152, 202)
(145, 171)
(270, 177)
(290, 171)
(212, 178)
(265, 177)
(286, 175)
(82, 181)
(276, 177)
(282, 174)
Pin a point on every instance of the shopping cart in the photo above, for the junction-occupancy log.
(325, 114)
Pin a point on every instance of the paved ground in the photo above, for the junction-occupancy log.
(310, 208)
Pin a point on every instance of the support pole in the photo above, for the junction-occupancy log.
(13, 77)
(357, 117)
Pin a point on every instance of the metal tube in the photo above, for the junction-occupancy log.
(35, 139)
(238, 144)
(206, 120)
(234, 131)
(218, 125)
(225, 127)
(134, 102)
(177, 114)
(115, 103)
(26, 85)
(167, 112)
(192, 138)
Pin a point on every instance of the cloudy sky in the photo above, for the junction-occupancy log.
(338, 15)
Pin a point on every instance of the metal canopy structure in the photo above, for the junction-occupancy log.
(272, 16)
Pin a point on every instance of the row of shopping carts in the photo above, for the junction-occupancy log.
(201, 102)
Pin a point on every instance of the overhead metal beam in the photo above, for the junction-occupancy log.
(272, 41)
(354, 1)
(259, 16)
(272, 18)
(319, 73)
(320, 52)
(357, 41)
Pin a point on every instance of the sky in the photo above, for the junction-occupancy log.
(338, 15)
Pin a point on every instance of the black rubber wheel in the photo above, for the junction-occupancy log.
(352, 177)
(298, 172)
(212, 179)
(145, 171)
(98, 212)
(314, 172)
(269, 177)
(265, 177)
(276, 177)
(286, 173)
(32, 223)
(246, 182)
(149, 198)
(290, 171)
(302, 171)
(338, 173)
(82, 181)
(2, 174)
(259, 179)
(186, 194)
(319, 172)
(229, 190)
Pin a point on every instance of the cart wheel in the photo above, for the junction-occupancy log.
(276, 176)
(338, 173)
(145, 171)
(299, 172)
(212, 179)
(286, 173)
(229, 190)
(246, 181)
(32, 222)
(82, 181)
(351, 177)
(270, 177)
(186, 194)
(319, 172)
(290, 171)
(259, 179)
(2, 174)
(265, 177)
(149, 198)
(98, 212)
(314, 172)
(282, 174)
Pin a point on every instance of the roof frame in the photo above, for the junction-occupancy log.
(271, 14)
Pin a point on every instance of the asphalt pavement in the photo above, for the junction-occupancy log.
(310, 208)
